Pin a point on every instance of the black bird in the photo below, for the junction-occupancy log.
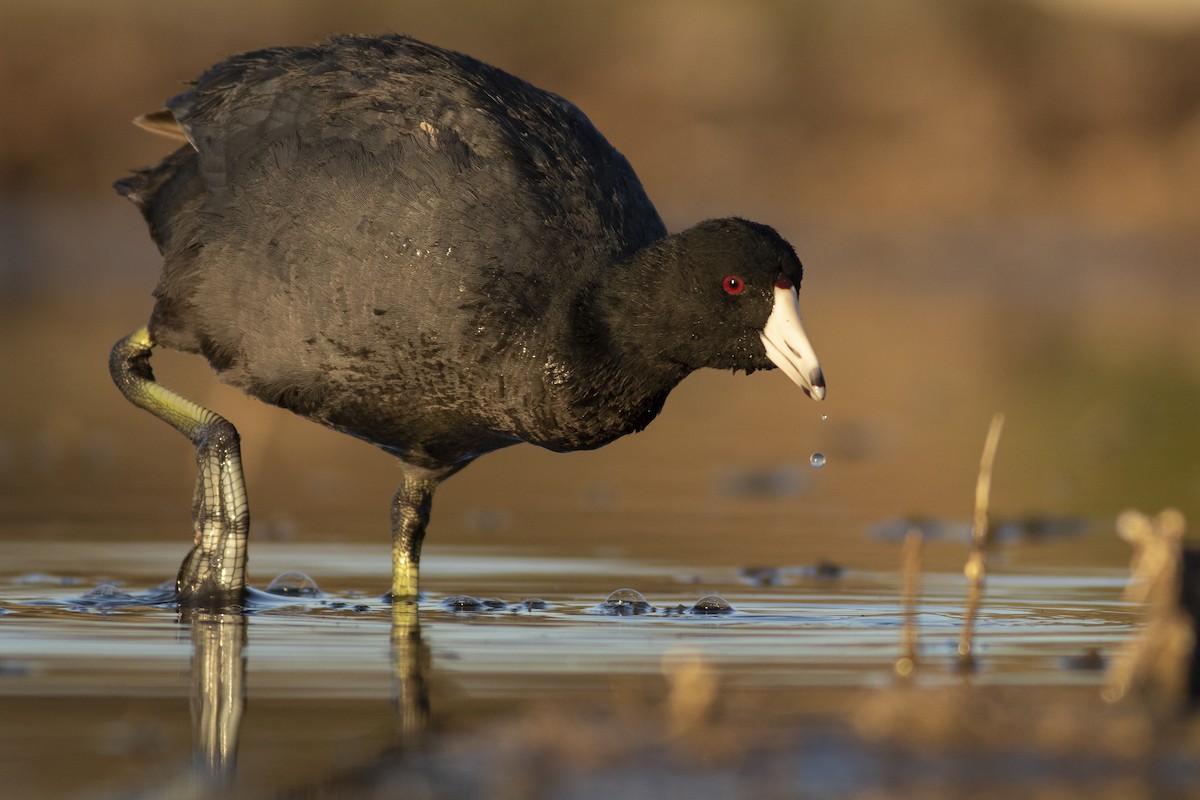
(420, 250)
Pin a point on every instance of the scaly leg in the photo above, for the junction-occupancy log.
(214, 572)
(410, 515)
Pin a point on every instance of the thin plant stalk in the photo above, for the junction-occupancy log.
(910, 558)
(976, 566)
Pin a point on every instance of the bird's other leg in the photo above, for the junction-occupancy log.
(214, 572)
(410, 515)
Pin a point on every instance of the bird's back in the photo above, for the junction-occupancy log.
(377, 215)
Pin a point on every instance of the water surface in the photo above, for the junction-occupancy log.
(112, 675)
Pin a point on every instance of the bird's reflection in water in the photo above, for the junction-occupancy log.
(219, 688)
(410, 668)
(218, 692)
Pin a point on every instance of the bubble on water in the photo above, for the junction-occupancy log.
(465, 602)
(293, 584)
(105, 590)
(532, 604)
(712, 604)
(625, 603)
(817, 460)
(105, 597)
(106, 593)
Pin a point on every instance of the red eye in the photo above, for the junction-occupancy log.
(733, 284)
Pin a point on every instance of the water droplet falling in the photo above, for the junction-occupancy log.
(817, 460)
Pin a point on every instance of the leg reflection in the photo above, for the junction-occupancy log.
(219, 687)
(410, 662)
(218, 691)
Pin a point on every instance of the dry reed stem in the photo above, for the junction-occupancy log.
(910, 560)
(976, 566)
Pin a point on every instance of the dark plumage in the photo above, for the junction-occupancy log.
(430, 254)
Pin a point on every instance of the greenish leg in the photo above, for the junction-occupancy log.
(410, 515)
(214, 572)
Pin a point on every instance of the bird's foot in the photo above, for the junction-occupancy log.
(214, 573)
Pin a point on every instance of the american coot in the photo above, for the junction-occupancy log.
(425, 252)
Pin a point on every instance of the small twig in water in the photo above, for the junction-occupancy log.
(976, 566)
(910, 558)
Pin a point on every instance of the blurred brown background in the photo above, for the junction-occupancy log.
(870, 110)
(998, 202)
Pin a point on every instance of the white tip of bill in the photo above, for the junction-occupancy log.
(788, 346)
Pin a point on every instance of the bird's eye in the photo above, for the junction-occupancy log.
(733, 284)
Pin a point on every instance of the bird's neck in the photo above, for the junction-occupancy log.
(618, 322)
